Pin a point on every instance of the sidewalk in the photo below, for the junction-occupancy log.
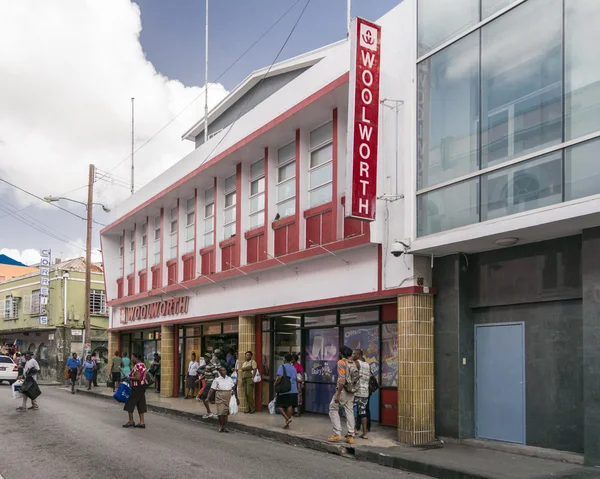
(450, 461)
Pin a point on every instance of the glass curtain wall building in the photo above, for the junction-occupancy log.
(508, 108)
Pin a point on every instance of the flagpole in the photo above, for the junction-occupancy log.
(206, 74)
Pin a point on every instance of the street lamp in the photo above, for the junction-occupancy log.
(88, 247)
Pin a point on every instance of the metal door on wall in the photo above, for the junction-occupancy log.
(500, 382)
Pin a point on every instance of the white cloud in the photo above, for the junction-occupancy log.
(67, 73)
(27, 256)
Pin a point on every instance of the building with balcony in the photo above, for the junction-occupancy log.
(488, 134)
(52, 326)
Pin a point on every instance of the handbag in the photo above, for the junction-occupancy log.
(373, 384)
(30, 388)
(67, 374)
(257, 378)
(272, 407)
(122, 393)
(285, 385)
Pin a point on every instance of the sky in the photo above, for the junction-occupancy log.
(67, 80)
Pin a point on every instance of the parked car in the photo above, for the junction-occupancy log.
(8, 370)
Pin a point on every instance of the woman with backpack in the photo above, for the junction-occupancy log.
(348, 382)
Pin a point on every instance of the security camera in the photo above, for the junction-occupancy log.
(399, 248)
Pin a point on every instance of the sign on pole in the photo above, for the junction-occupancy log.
(45, 261)
(363, 120)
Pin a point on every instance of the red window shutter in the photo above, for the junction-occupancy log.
(188, 269)
(131, 286)
(327, 227)
(313, 231)
(262, 247)
(120, 288)
(143, 283)
(172, 273)
(226, 257)
(281, 241)
(293, 239)
(252, 249)
(156, 281)
(207, 266)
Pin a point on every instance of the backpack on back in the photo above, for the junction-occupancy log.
(352, 377)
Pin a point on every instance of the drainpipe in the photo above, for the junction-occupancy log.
(65, 279)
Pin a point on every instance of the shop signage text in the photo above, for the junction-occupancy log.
(169, 307)
(363, 120)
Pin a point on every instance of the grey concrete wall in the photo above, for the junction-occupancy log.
(249, 100)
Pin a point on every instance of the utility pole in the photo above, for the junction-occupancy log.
(88, 259)
(132, 142)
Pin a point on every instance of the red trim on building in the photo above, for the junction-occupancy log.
(255, 232)
(238, 214)
(291, 233)
(351, 226)
(319, 225)
(214, 256)
(255, 134)
(103, 275)
(148, 242)
(176, 361)
(134, 257)
(318, 210)
(379, 267)
(177, 235)
(196, 229)
(362, 299)
(143, 281)
(270, 263)
(120, 288)
(162, 245)
(334, 176)
(266, 220)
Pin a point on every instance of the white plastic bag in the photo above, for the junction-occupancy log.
(234, 377)
(16, 390)
(233, 405)
(272, 407)
(257, 377)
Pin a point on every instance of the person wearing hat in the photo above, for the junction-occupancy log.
(31, 369)
(210, 373)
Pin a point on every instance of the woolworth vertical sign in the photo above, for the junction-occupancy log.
(363, 120)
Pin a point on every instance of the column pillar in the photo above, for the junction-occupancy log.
(113, 343)
(246, 342)
(167, 360)
(590, 265)
(416, 414)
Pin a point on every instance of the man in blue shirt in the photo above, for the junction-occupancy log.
(287, 399)
(73, 365)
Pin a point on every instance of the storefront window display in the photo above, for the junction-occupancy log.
(389, 365)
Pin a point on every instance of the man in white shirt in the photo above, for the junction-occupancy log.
(30, 370)
(222, 387)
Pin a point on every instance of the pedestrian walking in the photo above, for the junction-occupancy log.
(249, 369)
(96, 367)
(30, 370)
(192, 376)
(287, 390)
(155, 370)
(137, 379)
(347, 385)
(20, 364)
(300, 378)
(73, 365)
(88, 370)
(361, 397)
(210, 373)
(221, 388)
(116, 364)
(126, 365)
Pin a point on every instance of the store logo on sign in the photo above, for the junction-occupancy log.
(169, 307)
(363, 121)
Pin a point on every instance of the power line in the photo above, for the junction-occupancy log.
(42, 199)
(230, 127)
(265, 33)
(41, 229)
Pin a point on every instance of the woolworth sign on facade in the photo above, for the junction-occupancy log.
(169, 307)
(363, 120)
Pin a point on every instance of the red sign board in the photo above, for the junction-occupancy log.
(363, 120)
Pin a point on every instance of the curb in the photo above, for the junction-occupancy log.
(306, 442)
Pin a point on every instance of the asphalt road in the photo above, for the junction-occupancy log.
(74, 436)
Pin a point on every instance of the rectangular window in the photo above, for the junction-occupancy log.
(447, 208)
(229, 211)
(286, 181)
(173, 233)
(582, 76)
(97, 301)
(11, 308)
(257, 194)
(582, 172)
(209, 217)
(156, 240)
(190, 224)
(121, 253)
(320, 171)
(35, 303)
(131, 252)
(521, 82)
(144, 246)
